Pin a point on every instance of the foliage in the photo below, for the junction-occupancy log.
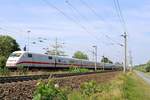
(75, 69)
(122, 88)
(4, 71)
(94, 91)
(133, 83)
(106, 60)
(2, 61)
(7, 46)
(80, 55)
(89, 88)
(147, 67)
(22, 70)
(140, 68)
(48, 91)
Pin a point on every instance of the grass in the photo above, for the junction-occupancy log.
(124, 87)
(4, 71)
(135, 88)
(141, 68)
(75, 69)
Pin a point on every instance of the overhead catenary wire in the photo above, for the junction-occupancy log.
(98, 16)
(113, 42)
(83, 17)
(120, 15)
(71, 19)
(75, 9)
(78, 12)
(91, 9)
(122, 21)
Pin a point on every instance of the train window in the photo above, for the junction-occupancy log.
(50, 57)
(15, 54)
(59, 60)
(29, 55)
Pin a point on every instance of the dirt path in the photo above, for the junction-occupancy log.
(25, 90)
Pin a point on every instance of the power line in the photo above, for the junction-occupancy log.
(120, 15)
(97, 15)
(91, 9)
(83, 17)
(113, 40)
(70, 18)
(122, 21)
(75, 9)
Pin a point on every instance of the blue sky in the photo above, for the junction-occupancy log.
(19, 16)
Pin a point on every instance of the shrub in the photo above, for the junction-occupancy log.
(89, 88)
(75, 69)
(4, 71)
(48, 91)
(2, 61)
(22, 70)
(147, 68)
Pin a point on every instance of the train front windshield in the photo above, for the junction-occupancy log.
(15, 55)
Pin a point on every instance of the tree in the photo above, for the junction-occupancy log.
(80, 55)
(7, 46)
(106, 60)
(147, 68)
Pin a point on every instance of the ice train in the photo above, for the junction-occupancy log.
(36, 60)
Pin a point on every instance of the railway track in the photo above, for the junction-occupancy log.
(10, 79)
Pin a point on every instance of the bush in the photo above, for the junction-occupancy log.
(2, 61)
(22, 70)
(89, 88)
(147, 68)
(4, 71)
(48, 91)
(75, 69)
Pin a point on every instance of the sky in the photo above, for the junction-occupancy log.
(79, 28)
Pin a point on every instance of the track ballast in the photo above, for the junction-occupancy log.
(37, 77)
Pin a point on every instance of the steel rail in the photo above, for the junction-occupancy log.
(10, 79)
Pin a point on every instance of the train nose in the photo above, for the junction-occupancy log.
(11, 63)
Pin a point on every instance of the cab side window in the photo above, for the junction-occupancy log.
(30, 55)
(50, 57)
(59, 60)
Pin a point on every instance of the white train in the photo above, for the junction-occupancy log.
(35, 60)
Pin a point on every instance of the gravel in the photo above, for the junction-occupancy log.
(24, 90)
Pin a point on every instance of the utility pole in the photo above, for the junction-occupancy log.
(131, 63)
(28, 32)
(95, 47)
(103, 61)
(125, 51)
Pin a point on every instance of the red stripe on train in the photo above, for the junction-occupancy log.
(33, 62)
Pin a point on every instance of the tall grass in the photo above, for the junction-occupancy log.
(124, 87)
(4, 71)
(135, 88)
(75, 69)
